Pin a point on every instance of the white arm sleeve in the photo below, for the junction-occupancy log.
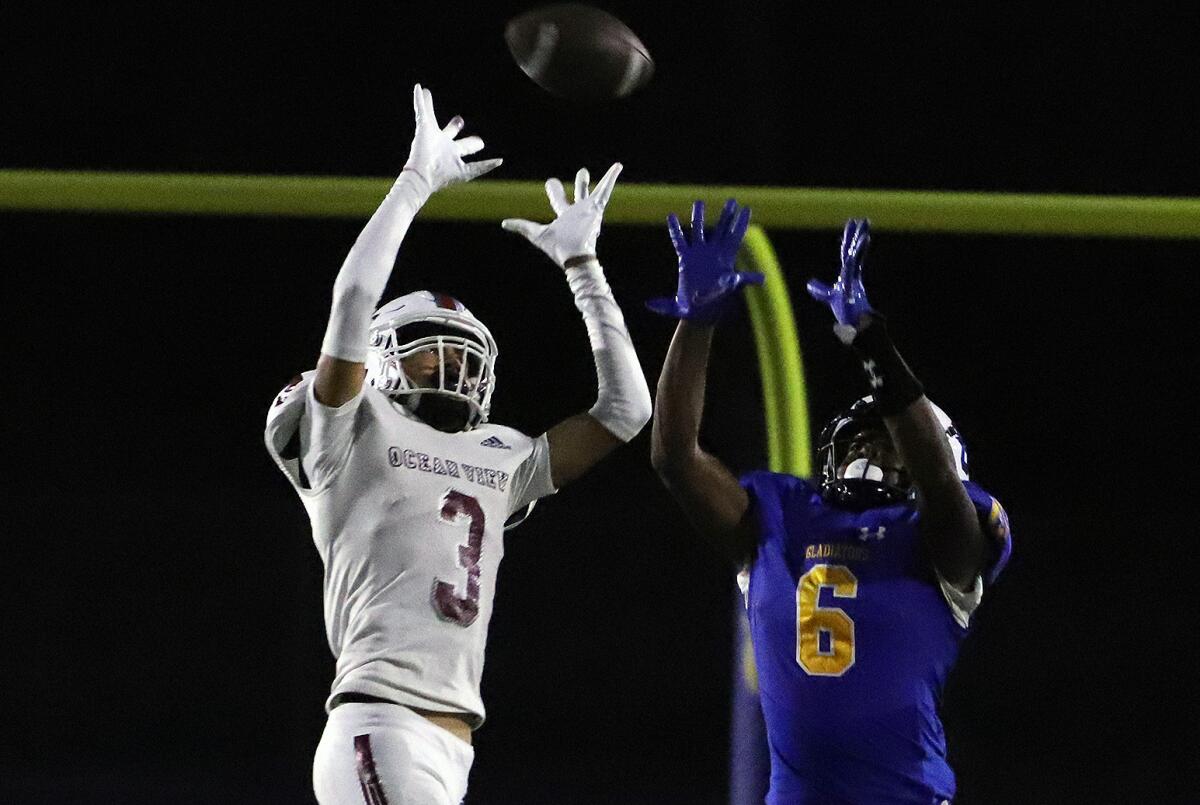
(364, 273)
(623, 402)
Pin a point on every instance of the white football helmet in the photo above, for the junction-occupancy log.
(434, 322)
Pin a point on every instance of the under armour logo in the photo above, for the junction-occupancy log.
(492, 441)
(865, 534)
(875, 379)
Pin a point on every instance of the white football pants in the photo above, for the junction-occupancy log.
(385, 754)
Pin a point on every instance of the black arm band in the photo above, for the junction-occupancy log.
(892, 383)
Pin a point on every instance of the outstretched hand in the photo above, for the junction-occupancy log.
(576, 227)
(436, 156)
(848, 298)
(708, 280)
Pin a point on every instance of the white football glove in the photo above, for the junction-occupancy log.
(573, 233)
(435, 155)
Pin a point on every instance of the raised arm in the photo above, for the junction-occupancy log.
(435, 160)
(711, 497)
(623, 399)
(950, 526)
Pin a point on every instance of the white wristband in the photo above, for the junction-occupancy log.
(365, 272)
(623, 402)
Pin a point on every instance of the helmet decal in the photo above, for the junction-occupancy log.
(447, 302)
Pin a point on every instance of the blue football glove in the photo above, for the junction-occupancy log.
(847, 298)
(708, 280)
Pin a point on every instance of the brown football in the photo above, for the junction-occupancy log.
(579, 52)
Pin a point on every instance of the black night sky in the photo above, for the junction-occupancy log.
(163, 640)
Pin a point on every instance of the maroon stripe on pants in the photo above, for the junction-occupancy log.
(368, 779)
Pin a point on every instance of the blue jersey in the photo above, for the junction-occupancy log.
(853, 639)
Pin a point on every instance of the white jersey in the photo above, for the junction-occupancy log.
(409, 522)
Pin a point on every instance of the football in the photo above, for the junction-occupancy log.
(578, 52)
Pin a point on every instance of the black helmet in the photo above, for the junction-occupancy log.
(861, 493)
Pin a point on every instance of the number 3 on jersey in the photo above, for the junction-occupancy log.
(824, 635)
(449, 606)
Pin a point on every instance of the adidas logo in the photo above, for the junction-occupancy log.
(492, 441)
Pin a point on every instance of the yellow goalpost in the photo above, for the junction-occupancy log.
(780, 364)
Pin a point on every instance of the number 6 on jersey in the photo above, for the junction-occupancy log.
(814, 620)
